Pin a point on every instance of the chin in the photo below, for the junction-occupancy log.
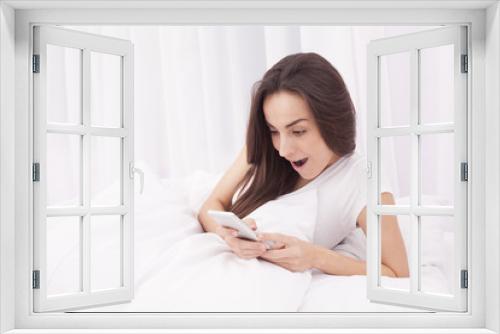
(309, 176)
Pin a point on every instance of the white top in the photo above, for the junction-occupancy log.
(341, 198)
(342, 190)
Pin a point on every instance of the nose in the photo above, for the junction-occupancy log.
(285, 148)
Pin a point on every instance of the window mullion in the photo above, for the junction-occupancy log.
(414, 188)
(81, 130)
(86, 170)
(82, 211)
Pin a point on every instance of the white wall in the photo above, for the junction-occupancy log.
(492, 213)
(6, 166)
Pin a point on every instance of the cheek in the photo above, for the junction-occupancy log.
(276, 142)
(308, 144)
(317, 147)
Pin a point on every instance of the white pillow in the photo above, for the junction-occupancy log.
(199, 186)
(184, 272)
(292, 214)
(298, 207)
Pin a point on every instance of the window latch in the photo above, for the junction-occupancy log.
(133, 170)
(369, 169)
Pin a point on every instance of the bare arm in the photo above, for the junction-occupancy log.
(334, 263)
(220, 198)
(394, 256)
(299, 255)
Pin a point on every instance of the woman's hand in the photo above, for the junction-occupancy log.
(245, 249)
(289, 252)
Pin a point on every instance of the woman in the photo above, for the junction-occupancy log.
(302, 125)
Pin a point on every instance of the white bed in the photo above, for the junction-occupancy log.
(165, 217)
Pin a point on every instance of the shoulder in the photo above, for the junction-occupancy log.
(355, 178)
(356, 164)
(349, 167)
(348, 175)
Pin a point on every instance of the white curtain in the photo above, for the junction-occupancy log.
(193, 85)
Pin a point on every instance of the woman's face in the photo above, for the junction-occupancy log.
(296, 135)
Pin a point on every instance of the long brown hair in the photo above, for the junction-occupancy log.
(322, 87)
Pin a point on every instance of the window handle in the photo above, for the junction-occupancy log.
(133, 171)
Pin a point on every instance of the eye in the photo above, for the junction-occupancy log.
(273, 132)
(299, 133)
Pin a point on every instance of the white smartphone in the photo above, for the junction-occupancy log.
(229, 219)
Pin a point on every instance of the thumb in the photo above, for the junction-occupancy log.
(225, 232)
(251, 222)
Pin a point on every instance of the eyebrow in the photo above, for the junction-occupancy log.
(291, 124)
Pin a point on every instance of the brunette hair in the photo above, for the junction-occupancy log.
(322, 87)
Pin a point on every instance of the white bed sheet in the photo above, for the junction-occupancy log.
(330, 293)
(165, 215)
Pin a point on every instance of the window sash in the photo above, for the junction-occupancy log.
(412, 43)
(86, 43)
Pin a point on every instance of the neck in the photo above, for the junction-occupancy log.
(302, 182)
(333, 160)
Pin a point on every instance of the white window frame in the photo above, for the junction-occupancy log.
(16, 20)
(411, 45)
(123, 51)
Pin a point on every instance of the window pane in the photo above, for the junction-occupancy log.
(64, 84)
(106, 90)
(395, 90)
(395, 166)
(105, 250)
(105, 173)
(436, 253)
(437, 84)
(437, 169)
(401, 222)
(63, 255)
(63, 170)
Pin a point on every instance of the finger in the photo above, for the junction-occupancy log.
(251, 222)
(248, 257)
(242, 254)
(248, 254)
(247, 243)
(275, 237)
(252, 254)
(225, 232)
(281, 263)
(271, 244)
(278, 255)
(250, 245)
(239, 245)
(279, 245)
(271, 260)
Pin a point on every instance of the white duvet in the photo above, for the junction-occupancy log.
(178, 268)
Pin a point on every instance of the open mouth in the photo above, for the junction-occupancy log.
(299, 163)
